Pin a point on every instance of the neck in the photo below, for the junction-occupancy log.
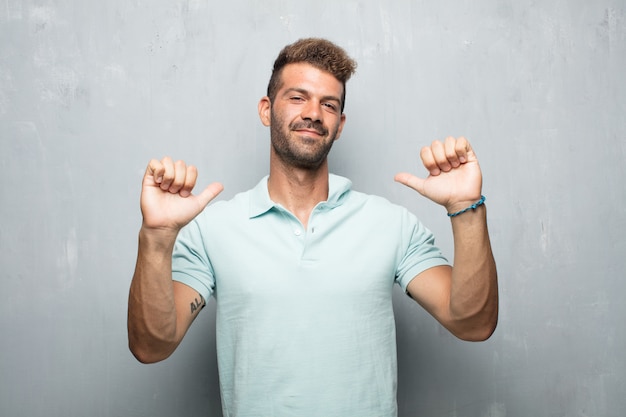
(298, 190)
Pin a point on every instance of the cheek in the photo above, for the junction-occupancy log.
(338, 127)
(279, 118)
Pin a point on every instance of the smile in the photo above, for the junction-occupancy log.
(309, 131)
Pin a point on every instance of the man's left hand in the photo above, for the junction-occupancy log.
(454, 180)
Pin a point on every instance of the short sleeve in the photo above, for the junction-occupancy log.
(419, 251)
(190, 261)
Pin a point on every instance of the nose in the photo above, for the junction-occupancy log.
(312, 111)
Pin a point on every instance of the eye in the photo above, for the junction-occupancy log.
(296, 98)
(330, 106)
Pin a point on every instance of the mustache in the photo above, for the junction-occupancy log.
(309, 125)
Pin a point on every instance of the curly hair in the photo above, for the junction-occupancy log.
(318, 52)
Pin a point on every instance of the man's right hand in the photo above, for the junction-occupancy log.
(166, 200)
(158, 307)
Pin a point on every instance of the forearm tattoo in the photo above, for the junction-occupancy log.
(197, 305)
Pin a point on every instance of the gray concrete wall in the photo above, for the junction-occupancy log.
(90, 91)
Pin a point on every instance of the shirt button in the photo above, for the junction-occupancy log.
(297, 232)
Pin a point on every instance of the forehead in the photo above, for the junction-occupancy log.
(312, 79)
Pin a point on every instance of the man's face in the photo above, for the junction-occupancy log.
(305, 117)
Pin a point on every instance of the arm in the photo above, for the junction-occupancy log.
(160, 310)
(464, 298)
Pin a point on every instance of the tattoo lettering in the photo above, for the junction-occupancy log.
(197, 305)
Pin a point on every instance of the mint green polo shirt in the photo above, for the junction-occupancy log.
(305, 323)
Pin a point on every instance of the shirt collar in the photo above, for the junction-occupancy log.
(261, 203)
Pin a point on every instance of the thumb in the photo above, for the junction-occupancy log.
(410, 181)
(209, 193)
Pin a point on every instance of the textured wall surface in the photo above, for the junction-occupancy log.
(90, 91)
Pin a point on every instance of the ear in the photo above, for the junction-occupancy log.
(341, 123)
(265, 110)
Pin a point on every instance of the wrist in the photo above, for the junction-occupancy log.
(160, 239)
(463, 207)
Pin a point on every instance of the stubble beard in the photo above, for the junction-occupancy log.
(296, 151)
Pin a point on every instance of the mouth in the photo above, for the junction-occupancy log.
(309, 130)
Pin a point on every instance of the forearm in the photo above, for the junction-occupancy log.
(152, 327)
(474, 286)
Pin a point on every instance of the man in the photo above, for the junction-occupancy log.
(302, 267)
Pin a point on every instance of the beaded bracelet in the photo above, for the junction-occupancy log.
(472, 207)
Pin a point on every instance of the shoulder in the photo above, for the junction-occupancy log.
(341, 193)
(221, 210)
(375, 204)
(379, 214)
